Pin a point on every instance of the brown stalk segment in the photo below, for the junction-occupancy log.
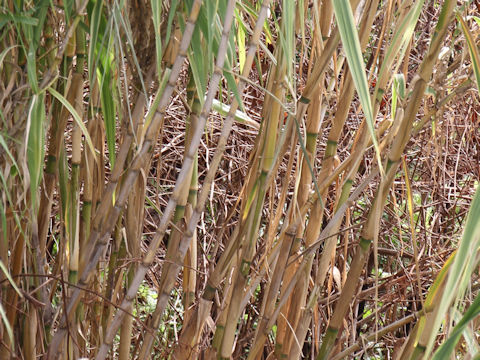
(371, 228)
(182, 178)
(190, 276)
(133, 226)
(271, 115)
(313, 228)
(168, 279)
(270, 228)
(330, 247)
(99, 236)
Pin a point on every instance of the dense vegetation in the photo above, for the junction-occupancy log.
(239, 179)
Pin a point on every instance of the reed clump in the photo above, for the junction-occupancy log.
(239, 179)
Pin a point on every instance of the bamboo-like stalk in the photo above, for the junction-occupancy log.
(102, 199)
(133, 226)
(30, 338)
(190, 276)
(305, 262)
(315, 116)
(282, 272)
(52, 72)
(331, 149)
(258, 182)
(370, 229)
(274, 261)
(56, 136)
(74, 198)
(46, 194)
(77, 83)
(326, 15)
(415, 345)
(314, 224)
(272, 116)
(188, 337)
(277, 227)
(333, 132)
(180, 216)
(358, 149)
(167, 280)
(174, 199)
(47, 187)
(214, 279)
(11, 295)
(168, 283)
(91, 173)
(146, 149)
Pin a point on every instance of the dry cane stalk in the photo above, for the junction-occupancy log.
(183, 176)
(141, 157)
(370, 229)
(168, 278)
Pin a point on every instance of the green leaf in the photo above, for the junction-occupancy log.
(32, 69)
(351, 44)
(2, 209)
(35, 143)
(10, 280)
(108, 109)
(4, 53)
(171, 16)
(125, 26)
(76, 117)
(240, 116)
(241, 34)
(18, 18)
(232, 86)
(94, 35)
(398, 89)
(459, 276)
(198, 58)
(41, 15)
(157, 19)
(7, 324)
(446, 349)
(3, 143)
(398, 45)
(399, 81)
(63, 186)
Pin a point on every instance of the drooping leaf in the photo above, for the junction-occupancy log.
(351, 46)
(35, 143)
(76, 117)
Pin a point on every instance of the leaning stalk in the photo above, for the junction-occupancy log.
(370, 229)
(99, 239)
